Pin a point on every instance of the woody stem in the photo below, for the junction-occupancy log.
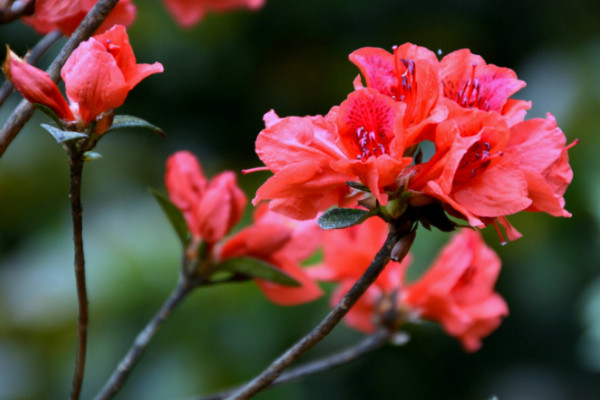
(76, 164)
(23, 112)
(271, 373)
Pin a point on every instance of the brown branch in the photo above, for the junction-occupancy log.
(76, 164)
(398, 234)
(34, 55)
(365, 346)
(138, 347)
(23, 112)
(11, 10)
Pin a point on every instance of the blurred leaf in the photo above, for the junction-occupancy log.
(358, 186)
(257, 269)
(128, 122)
(91, 156)
(62, 136)
(174, 215)
(338, 218)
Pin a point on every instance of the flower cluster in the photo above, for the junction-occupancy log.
(66, 15)
(98, 77)
(212, 208)
(457, 290)
(489, 162)
(188, 13)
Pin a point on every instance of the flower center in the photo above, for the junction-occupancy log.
(366, 124)
(113, 49)
(469, 95)
(407, 87)
(475, 161)
(371, 143)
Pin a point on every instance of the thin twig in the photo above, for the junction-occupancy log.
(365, 346)
(76, 164)
(330, 321)
(23, 112)
(34, 55)
(138, 347)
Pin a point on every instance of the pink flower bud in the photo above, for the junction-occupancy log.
(210, 208)
(35, 85)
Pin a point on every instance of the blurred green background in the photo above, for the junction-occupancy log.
(219, 79)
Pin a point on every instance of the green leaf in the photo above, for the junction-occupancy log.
(174, 215)
(62, 136)
(358, 186)
(128, 122)
(91, 156)
(338, 218)
(257, 269)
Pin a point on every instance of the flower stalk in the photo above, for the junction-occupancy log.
(76, 168)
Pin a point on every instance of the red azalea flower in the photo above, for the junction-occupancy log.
(471, 83)
(187, 13)
(545, 162)
(210, 208)
(411, 76)
(458, 290)
(313, 157)
(471, 171)
(66, 15)
(282, 243)
(483, 170)
(98, 76)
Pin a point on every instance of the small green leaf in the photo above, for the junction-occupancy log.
(358, 186)
(128, 121)
(174, 215)
(91, 156)
(62, 136)
(257, 269)
(338, 218)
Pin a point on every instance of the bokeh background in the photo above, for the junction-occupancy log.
(220, 78)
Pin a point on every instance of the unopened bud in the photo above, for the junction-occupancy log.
(103, 122)
(402, 246)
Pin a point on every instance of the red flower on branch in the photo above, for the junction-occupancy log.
(210, 208)
(458, 290)
(488, 163)
(283, 243)
(483, 170)
(412, 76)
(66, 15)
(469, 82)
(98, 76)
(471, 171)
(312, 157)
(188, 13)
